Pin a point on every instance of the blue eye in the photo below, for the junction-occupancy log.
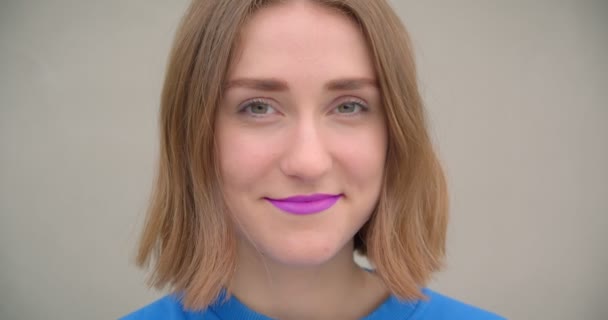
(258, 108)
(351, 107)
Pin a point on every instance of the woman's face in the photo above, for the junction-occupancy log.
(301, 133)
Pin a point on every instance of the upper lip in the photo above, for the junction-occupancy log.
(307, 198)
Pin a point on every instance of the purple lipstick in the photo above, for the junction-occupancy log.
(306, 204)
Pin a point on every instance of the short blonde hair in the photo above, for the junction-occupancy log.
(187, 236)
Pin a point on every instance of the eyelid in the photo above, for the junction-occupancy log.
(340, 101)
(247, 103)
(351, 99)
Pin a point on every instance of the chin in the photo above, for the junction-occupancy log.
(305, 253)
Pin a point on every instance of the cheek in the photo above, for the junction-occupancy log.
(244, 157)
(364, 156)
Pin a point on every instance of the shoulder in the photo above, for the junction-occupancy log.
(439, 306)
(166, 308)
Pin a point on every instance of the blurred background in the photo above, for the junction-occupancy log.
(517, 97)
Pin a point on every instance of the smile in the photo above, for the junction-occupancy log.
(305, 204)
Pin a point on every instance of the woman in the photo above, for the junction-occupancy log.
(293, 134)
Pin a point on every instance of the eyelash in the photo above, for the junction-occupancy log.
(247, 105)
(358, 102)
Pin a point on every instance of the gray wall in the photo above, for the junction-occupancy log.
(516, 90)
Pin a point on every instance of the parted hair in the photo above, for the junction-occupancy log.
(188, 240)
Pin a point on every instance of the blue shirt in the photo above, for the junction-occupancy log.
(437, 307)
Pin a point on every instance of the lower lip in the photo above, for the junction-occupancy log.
(305, 207)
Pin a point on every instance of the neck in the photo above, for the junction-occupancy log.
(337, 289)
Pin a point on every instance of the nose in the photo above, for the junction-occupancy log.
(307, 157)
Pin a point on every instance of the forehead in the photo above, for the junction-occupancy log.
(301, 39)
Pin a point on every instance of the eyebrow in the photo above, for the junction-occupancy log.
(269, 84)
(351, 84)
(272, 84)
